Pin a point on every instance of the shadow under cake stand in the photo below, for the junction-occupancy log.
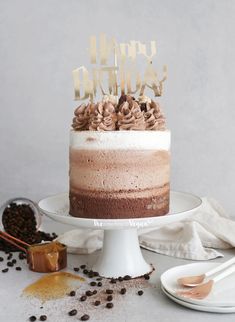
(121, 254)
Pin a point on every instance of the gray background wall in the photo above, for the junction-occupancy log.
(41, 42)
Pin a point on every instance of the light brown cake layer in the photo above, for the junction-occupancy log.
(132, 204)
(119, 183)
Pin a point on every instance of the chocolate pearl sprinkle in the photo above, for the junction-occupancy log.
(140, 293)
(73, 312)
(14, 261)
(109, 291)
(120, 279)
(85, 317)
(109, 305)
(83, 266)
(5, 270)
(43, 318)
(99, 284)
(85, 271)
(10, 264)
(18, 268)
(32, 318)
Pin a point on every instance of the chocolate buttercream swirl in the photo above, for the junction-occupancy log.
(130, 116)
(82, 117)
(104, 117)
(154, 118)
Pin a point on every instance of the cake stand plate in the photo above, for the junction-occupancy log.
(121, 254)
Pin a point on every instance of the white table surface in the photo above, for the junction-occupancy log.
(152, 306)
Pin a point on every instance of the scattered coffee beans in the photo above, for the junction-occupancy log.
(109, 291)
(5, 270)
(93, 283)
(123, 290)
(109, 298)
(83, 298)
(18, 268)
(99, 284)
(97, 303)
(85, 317)
(89, 293)
(76, 269)
(140, 292)
(32, 318)
(73, 312)
(43, 318)
(72, 293)
(109, 305)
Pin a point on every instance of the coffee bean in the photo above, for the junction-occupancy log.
(32, 318)
(109, 298)
(83, 266)
(109, 291)
(76, 269)
(73, 312)
(72, 293)
(43, 318)
(140, 293)
(89, 293)
(127, 277)
(120, 279)
(18, 268)
(123, 290)
(99, 284)
(97, 303)
(10, 264)
(93, 283)
(85, 271)
(94, 292)
(1, 259)
(146, 276)
(109, 305)
(113, 281)
(22, 256)
(90, 275)
(83, 298)
(5, 270)
(9, 256)
(85, 317)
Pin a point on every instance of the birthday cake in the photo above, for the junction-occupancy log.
(119, 159)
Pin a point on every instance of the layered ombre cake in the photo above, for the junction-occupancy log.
(119, 160)
(119, 174)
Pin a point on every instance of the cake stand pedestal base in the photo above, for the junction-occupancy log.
(121, 255)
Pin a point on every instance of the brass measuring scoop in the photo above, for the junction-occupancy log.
(43, 258)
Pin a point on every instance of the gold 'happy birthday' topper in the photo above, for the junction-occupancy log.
(121, 74)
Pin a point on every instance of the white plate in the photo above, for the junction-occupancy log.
(222, 294)
(212, 309)
(182, 205)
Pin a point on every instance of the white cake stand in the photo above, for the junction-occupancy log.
(121, 254)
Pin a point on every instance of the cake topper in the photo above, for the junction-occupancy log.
(121, 73)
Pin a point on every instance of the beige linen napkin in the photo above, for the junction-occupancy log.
(196, 238)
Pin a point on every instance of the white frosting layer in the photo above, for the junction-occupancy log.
(114, 140)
